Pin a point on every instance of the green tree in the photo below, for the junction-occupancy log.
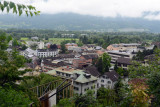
(24, 47)
(63, 48)
(106, 97)
(15, 43)
(13, 98)
(116, 66)
(103, 63)
(86, 100)
(33, 46)
(38, 80)
(18, 8)
(10, 62)
(154, 88)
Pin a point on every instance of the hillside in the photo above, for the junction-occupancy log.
(70, 21)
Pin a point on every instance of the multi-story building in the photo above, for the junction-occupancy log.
(108, 80)
(47, 52)
(81, 80)
(117, 54)
(124, 62)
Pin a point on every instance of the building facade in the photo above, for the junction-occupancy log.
(47, 52)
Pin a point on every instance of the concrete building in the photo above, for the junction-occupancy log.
(117, 54)
(81, 80)
(47, 52)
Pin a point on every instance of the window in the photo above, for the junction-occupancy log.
(102, 85)
(104, 77)
(77, 83)
(102, 80)
(76, 88)
(109, 82)
(86, 89)
(125, 65)
(93, 87)
(87, 83)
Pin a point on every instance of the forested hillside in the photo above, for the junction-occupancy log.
(78, 22)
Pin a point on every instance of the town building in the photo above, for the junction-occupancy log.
(117, 54)
(123, 46)
(108, 80)
(47, 52)
(81, 80)
(28, 53)
(124, 62)
(48, 64)
(70, 45)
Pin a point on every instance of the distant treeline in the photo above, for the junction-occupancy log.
(100, 38)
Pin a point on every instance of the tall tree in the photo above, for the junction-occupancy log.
(10, 62)
(63, 48)
(103, 63)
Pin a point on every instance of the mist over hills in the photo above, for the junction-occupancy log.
(70, 21)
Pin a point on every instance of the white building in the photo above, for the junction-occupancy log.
(47, 52)
(34, 38)
(74, 48)
(28, 52)
(108, 80)
(81, 80)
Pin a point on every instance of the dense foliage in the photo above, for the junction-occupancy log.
(103, 39)
(13, 98)
(18, 8)
(103, 63)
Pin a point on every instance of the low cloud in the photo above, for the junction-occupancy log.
(104, 8)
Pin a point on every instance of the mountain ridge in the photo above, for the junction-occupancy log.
(77, 22)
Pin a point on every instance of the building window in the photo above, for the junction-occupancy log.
(102, 85)
(104, 77)
(87, 83)
(68, 75)
(86, 89)
(93, 87)
(76, 88)
(98, 85)
(102, 80)
(77, 83)
(125, 65)
(109, 82)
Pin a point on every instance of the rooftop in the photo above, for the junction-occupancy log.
(113, 75)
(124, 60)
(82, 76)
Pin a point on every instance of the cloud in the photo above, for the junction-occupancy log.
(104, 8)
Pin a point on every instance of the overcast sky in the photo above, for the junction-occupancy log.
(149, 9)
